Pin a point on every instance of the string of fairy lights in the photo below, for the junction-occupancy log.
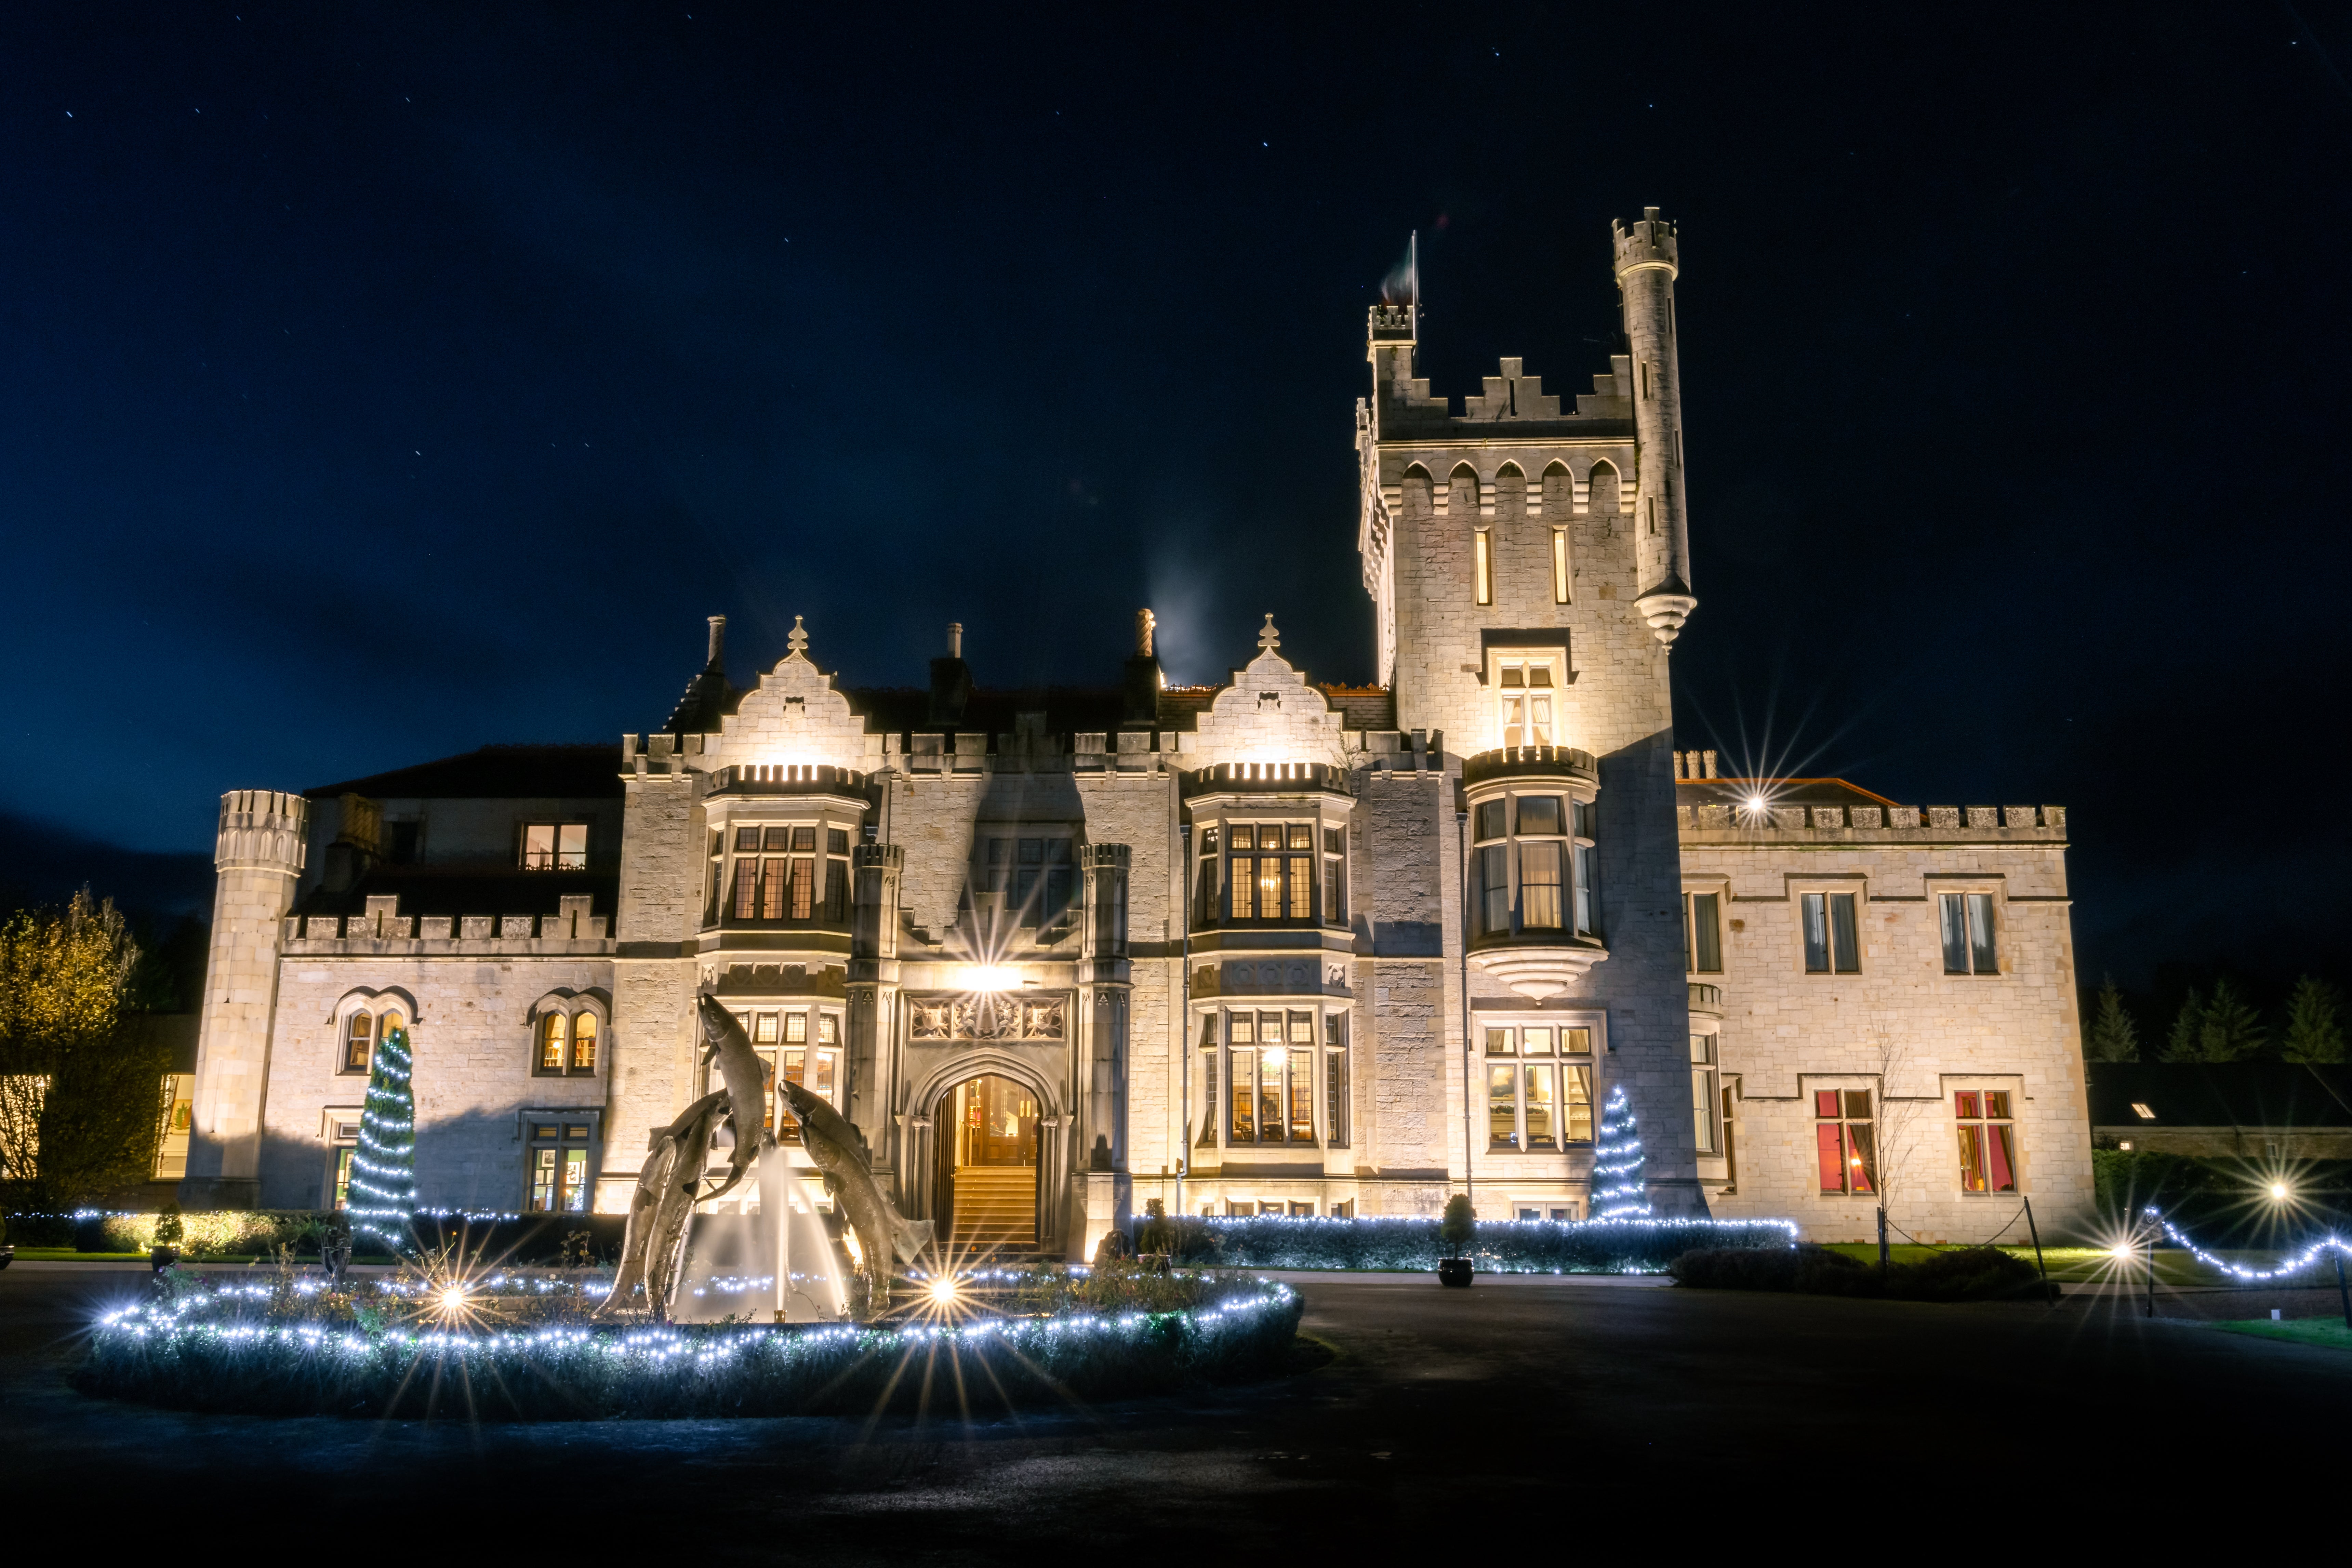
(2311, 1255)
(1617, 1188)
(382, 1196)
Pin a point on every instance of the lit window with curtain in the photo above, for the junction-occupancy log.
(1702, 933)
(359, 1041)
(1967, 919)
(1539, 1093)
(1988, 1141)
(1490, 864)
(1703, 1106)
(584, 1042)
(1831, 944)
(554, 1041)
(1842, 1135)
(1335, 876)
(1587, 856)
(557, 1172)
(1526, 694)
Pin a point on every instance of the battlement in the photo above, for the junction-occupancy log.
(1649, 241)
(1530, 762)
(794, 779)
(382, 931)
(1265, 778)
(1728, 824)
(263, 827)
(1389, 324)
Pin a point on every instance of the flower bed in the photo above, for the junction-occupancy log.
(1502, 1246)
(288, 1351)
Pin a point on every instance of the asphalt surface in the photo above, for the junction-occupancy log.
(1518, 1410)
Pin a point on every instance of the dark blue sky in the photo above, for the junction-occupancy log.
(386, 380)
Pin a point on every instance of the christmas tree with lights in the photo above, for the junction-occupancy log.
(383, 1195)
(1617, 1189)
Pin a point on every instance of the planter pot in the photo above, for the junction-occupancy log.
(1453, 1271)
(163, 1258)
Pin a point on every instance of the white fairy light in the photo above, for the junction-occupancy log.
(2318, 1250)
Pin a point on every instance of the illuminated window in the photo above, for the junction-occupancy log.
(1967, 919)
(1276, 1067)
(555, 846)
(1559, 566)
(1485, 547)
(584, 1042)
(359, 1041)
(1335, 876)
(2142, 1110)
(557, 1168)
(1830, 944)
(1847, 1154)
(344, 1145)
(1271, 870)
(779, 875)
(1987, 1140)
(554, 1034)
(566, 1043)
(1534, 866)
(1526, 689)
(1535, 1099)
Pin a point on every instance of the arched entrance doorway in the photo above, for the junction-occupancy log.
(985, 1167)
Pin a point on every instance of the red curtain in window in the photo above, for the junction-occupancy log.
(2003, 1162)
(1972, 1160)
(1831, 1140)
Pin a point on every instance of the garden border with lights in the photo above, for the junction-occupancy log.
(250, 1350)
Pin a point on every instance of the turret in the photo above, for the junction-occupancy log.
(1648, 260)
(258, 852)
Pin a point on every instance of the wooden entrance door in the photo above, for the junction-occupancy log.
(999, 1123)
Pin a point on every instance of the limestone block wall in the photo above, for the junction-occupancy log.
(1408, 1031)
(471, 1030)
(1901, 1028)
(652, 1052)
(259, 851)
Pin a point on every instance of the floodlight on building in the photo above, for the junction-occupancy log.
(988, 977)
(943, 1291)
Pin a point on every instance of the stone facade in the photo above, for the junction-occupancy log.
(1269, 944)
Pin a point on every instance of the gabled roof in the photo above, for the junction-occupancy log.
(2218, 1094)
(497, 773)
(1776, 792)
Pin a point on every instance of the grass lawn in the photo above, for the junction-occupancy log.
(2328, 1332)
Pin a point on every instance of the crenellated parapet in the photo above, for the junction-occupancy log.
(1728, 824)
(263, 829)
(382, 931)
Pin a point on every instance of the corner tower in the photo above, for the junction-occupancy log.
(1530, 568)
(259, 851)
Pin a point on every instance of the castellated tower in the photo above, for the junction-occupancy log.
(259, 852)
(1530, 568)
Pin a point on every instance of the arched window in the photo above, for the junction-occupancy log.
(1605, 487)
(359, 1041)
(554, 1034)
(584, 1042)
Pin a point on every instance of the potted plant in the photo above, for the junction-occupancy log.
(168, 1234)
(1454, 1233)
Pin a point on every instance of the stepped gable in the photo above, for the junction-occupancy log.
(494, 772)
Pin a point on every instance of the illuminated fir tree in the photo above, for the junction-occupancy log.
(1617, 1191)
(384, 1168)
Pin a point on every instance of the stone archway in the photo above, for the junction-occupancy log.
(930, 1154)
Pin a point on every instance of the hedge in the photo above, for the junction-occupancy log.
(574, 1373)
(1501, 1247)
(257, 1233)
(1961, 1274)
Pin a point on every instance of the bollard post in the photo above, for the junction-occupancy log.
(2035, 1232)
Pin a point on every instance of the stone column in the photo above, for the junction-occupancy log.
(259, 852)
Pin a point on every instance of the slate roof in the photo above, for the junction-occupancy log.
(1776, 792)
(497, 772)
(2282, 1095)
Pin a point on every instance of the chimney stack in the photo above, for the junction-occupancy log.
(718, 642)
(1145, 623)
(955, 639)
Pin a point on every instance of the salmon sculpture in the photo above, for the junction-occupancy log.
(652, 1251)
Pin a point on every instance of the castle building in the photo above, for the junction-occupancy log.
(1262, 946)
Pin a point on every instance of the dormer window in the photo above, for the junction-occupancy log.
(555, 846)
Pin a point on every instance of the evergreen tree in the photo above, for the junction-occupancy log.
(2114, 1038)
(2223, 1029)
(2315, 1032)
(1618, 1191)
(384, 1168)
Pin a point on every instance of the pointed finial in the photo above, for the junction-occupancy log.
(1268, 639)
(798, 641)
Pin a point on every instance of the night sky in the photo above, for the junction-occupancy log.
(380, 381)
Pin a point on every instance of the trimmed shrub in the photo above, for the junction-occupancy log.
(1962, 1274)
(1499, 1247)
(271, 1366)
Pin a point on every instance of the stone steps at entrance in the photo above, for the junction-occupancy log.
(995, 1212)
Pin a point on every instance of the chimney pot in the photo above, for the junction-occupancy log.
(718, 640)
(1144, 623)
(1709, 759)
(955, 639)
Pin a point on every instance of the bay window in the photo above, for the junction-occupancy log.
(1276, 1067)
(779, 873)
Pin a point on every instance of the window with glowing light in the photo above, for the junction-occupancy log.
(1534, 866)
(1988, 1141)
(1845, 1141)
(1525, 691)
(555, 846)
(565, 1042)
(1276, 1067)
(558, 1168)
(1538, 1087)
(785, 874)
